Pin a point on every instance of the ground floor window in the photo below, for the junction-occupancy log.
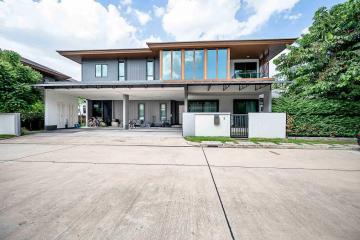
(141, 111)
(163, 112)
(244, 106)
(203, 106)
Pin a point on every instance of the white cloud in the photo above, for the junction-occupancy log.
(305, 30)
(126, 2)
(293, 17)
(158, 11)
(37, 29)
(216, 19)
(142, 17)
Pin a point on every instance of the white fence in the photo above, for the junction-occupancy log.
(267, 125)
(260, 125)
(10, 124)
(206, 124)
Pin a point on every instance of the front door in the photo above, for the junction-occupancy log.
(244, 106)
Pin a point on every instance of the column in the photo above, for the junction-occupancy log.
(267, 101)
(125, 111)
(87, 113)
(186, 98)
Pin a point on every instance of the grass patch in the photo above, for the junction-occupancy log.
(301, 141)
(202, 139)
(6, 136)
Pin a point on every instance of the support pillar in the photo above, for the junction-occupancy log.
(125, 111)
(267, 101)
(186, 99)
(87, 113)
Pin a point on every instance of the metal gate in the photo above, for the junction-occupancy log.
(239, 125)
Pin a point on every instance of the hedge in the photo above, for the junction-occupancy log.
(319, 117)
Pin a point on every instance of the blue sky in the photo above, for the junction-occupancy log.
(36, 29)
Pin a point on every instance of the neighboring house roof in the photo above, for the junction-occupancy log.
(238, 49)
(45, 71)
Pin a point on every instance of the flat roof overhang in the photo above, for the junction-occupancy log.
(153, 84)
(238, 49)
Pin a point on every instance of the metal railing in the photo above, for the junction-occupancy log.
(249, 74)
(239, 125)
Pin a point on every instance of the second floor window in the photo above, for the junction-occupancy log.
(101, 70)
(216, 63)
(150, 70)
(171, 65)
(121, 70)
(194, 64)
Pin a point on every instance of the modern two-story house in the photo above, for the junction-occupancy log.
(158, 83)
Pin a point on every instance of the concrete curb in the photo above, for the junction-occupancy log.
(275, 146)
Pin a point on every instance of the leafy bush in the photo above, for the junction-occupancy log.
(319, 117)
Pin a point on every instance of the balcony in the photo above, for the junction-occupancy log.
(248, 74)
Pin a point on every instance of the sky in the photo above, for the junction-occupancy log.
(36, 29)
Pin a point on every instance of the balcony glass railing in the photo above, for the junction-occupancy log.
(248, 74)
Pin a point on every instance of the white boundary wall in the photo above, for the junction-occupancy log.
(267, 125)
(261, 125)
(60, 109)
(202, 124)
(205, 126)
(188, 124)
(10, 123)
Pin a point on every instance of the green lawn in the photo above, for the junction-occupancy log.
(301, 141)
(6, 136)
(202, 139)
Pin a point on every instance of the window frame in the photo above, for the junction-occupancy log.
(153, 70)
(194, 64)
(171, 64)
(217, 63)
(121, 76)
(202, 102)
(101, 70)
(165, 117)
(139, 111)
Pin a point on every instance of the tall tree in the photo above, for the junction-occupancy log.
(16, 91)
(325, 62)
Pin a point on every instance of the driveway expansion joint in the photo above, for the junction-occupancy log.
(218, 194)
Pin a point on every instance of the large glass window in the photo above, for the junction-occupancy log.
(203, 106)
(150, 70)
(189, 64)
(121, 70)
(199, 64)
(244, 106)
(211, 64)
(176, 65)
(141, 111)
(245, 70)
(222, 63)
(216, 64)
(166, 65)
(171, 65)
(101, 70)
(194, 64)
(163, 112)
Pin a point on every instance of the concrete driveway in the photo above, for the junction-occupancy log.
(114, 184)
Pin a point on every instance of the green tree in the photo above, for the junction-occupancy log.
(16, 91)
(325, 62)
(322, 70)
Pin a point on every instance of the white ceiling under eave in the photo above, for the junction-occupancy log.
(117, 93)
